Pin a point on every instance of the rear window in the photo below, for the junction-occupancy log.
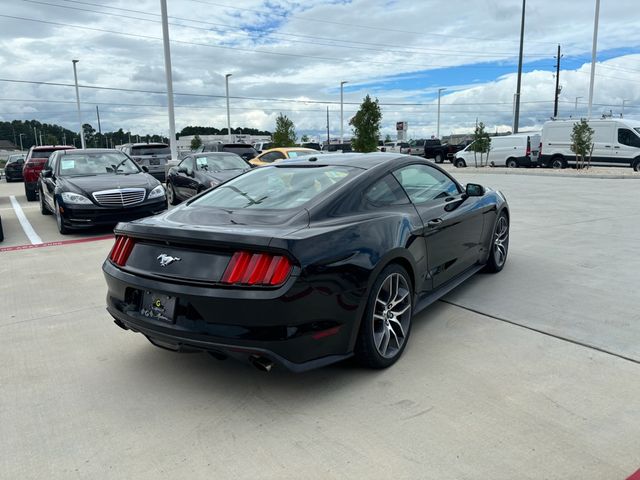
(276, 188)
(151, 150)
(41, 153)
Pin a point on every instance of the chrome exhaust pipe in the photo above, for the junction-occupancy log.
(261, 363)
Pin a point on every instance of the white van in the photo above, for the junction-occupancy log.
(615, 142)
(518, 150)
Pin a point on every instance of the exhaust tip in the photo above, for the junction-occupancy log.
(261, 363)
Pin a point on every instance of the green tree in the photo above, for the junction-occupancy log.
(89, 133)
(285, 133)
(366, 126)
(582, 142)
(196, 142)
(481, 143)
(387, 138)
(50, 139)
(304, 138)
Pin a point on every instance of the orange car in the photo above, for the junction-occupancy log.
(275, 154)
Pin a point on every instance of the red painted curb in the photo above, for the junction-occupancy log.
(635, 476)
(55, 244)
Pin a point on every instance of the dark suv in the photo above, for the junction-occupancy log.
(154, 156)
(13, 168)
(244, 150)
(33, 164)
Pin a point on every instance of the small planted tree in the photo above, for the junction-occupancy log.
(387, 138)
(285, 133)
(196, 142)
(304, 138)
(366, 126)
(481, 144)
(582, 142)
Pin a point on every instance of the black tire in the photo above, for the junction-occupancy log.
(44, 210)
(460, 163)
(1, 232)
(30, 194)
(438, 158)
(636, 165)
(392, 324)
(62, 228)
(558, 163)
(499, 248)
(512, 163)
(8, 179)
(171, 194)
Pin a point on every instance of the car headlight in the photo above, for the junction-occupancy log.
(75, 198)
(157, 192)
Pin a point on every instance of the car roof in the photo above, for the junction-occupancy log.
(359, 160)
(151, 144)
(79, 151)
(54, 147)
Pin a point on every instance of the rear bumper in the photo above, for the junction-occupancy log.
(13, 174)
(296, 325)
(80, 216)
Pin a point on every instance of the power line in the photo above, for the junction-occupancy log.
(226, 28)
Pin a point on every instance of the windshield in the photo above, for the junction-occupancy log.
(301, 153)
(276, 188)
(97, 164)
(242, 150)
(150, 150)
(637, 129)
(216, 163)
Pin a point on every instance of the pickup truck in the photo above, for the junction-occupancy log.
(436, 150)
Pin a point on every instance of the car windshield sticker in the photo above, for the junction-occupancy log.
(68, 164)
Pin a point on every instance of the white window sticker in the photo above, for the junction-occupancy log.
(67, 164)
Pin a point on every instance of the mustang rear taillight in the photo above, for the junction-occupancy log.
(121, 250)
(247, 268)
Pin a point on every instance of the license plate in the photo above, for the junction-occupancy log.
(158, 306)
(154, 161)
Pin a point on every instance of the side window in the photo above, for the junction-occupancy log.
(424, 183)
(187, 164)
(272, 156)
(54, 162)
(627, 137)
(385, 192)
(49, 165)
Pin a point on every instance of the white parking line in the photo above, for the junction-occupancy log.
(34, 238)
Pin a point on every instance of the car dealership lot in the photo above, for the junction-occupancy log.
(553, 394)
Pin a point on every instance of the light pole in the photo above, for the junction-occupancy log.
(167, 70)
(22, 135)
(621, 114)
(593, 55)
(576, 109)
(226, 81)
(75, 77)
(342, 111)
(516, 119)
(440, 90)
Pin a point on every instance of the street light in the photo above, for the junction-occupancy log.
(22, 135)
(440, 90)
(342, 111)
(226, 81)
(576, 109)
(75, 76)
(593, 55)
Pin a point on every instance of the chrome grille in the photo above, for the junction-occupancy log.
(122, 197)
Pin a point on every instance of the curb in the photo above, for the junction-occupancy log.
(513, 171)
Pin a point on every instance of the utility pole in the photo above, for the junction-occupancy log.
(440, 90)
(21, 135)
(516, 119)
(555, 104)
(35, 137)
(623, 102)
(328, 137)
(167, 70)
(40, 137)
(341, 112)
(226, 82)
(64, 138)
(576, 109)
(593, 55)
(98, 114)
(75, 77)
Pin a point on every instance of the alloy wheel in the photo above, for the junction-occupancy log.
(501, 241)
(391, 315)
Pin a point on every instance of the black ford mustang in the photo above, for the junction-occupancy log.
(305, 262)
(198, 172)
(84, 188)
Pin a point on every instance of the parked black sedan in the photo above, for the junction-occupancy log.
(306, 262)
(84, 188)
(13, 167)
(201, 171)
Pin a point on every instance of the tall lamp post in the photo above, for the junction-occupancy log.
(226, 81)
(621, 114)
(342, 111)
(22, 135)
(440, 90)
(75, 77)
(576, 109)
(593, 55)
(173, 144)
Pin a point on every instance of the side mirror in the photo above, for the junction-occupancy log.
(144, 168)
(48, 173)
(474, 190)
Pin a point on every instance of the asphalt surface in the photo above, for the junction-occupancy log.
(531, 373)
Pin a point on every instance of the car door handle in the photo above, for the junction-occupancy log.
(607, 146)
(616, 146)
(434, 223)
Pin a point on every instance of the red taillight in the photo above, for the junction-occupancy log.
(247, 268)
(121, 250)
